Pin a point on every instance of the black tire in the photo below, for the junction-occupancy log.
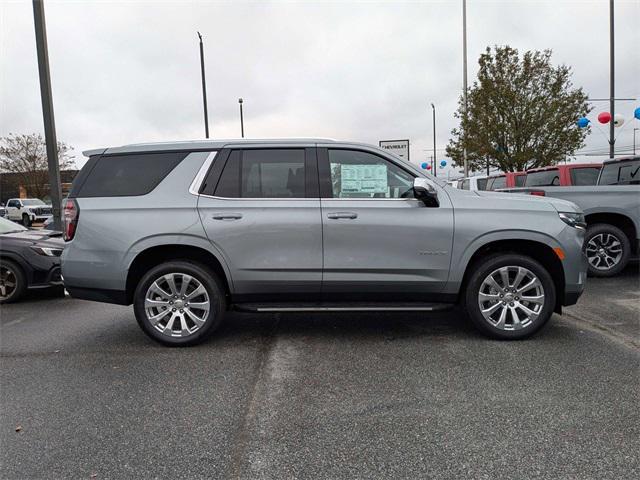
(26, 221)
(605, 229)
(209, 281)
(482, 269)
(20, 281)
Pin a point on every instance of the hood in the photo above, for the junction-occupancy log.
(559, 205)
(45, 238)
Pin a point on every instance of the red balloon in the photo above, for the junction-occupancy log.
(428, 167)
(604, 117)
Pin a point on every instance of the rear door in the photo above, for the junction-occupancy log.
(380, 243)
(261, 211)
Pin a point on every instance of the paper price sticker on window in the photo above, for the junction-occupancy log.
(364, 179)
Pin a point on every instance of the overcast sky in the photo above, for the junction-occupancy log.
(129, 71)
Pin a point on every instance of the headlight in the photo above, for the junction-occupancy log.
(575, 220)
(47, 251)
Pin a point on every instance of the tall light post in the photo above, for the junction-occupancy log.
(612, 89)
(464, 79)
(634, 139)
(47, 113)
(204, 89)
(433, 167)
(241, 118)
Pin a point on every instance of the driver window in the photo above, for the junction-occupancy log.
(357, 174)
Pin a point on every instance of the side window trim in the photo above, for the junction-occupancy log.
(212, 179)
(324, 174)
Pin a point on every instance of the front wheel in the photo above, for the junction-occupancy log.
(510, 296)
(179, 303)
(26, 221)
(607, 249)
(13, 282)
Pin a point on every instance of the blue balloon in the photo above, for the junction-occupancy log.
(636, 113)
(443, 163)
(424, 165)
(583, 122)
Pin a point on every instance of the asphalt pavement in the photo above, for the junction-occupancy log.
(84, 394)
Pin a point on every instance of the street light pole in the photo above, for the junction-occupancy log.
(634, 139)
(612, 94)
(464, 80)
(241, 118)
(47, 113)
(204, 89)
(435, 173)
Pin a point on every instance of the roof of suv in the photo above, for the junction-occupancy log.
(201, 145)
(622, 159)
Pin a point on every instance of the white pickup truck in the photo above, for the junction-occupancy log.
(28, 210)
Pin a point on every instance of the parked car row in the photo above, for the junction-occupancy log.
(612, 213)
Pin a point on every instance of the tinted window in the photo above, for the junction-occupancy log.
(497, 182)
(622, 173)
(128, 175)
(13, 203)
(481, 183)
(272, 173)
(520, 180)
(584, 176)
(356, 174)
(543, 178)
(464, 184)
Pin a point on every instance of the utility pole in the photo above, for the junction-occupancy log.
(634, 139)
(435, 173)
(464, 80)
(241, 118)
(612, 89)
(47, 113)
(204, 89)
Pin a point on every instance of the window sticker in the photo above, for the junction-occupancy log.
(364, 179)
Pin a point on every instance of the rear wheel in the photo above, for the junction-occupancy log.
(607, 249)
(510, 296)
(13, 282)
(179, 303)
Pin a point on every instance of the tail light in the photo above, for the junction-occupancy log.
(70, 214)
(539, 193)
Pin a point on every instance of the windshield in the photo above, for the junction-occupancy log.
(622, 173)
(7, 226)
(543, 178)
(32, 202)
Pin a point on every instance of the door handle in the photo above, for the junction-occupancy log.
(338, 215)
(226, 216)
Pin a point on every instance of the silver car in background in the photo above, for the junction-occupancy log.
(187, 230)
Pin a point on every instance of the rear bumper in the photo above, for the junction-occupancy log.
(118, 297)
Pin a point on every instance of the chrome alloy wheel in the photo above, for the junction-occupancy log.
(177, 304)
(604, 251)
(511, 298)
(8, 282)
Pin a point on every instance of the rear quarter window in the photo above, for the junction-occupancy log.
(126, 175)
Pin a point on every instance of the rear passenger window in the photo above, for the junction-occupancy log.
(128, 175)
(272, 173)
(584, 176)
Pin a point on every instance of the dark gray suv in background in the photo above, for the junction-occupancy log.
(186, 230)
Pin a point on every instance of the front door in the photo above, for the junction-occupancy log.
(263, 215)
(380, 243)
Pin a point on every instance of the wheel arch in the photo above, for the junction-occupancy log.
(157, 254)
(539, 251)
(618, 220)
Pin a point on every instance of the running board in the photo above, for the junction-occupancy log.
(342, 307)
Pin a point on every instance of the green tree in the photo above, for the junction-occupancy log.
(522, 113)
(26, 156)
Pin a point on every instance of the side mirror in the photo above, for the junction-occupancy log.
(425, 191)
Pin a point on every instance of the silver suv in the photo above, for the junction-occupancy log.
(186, 231)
